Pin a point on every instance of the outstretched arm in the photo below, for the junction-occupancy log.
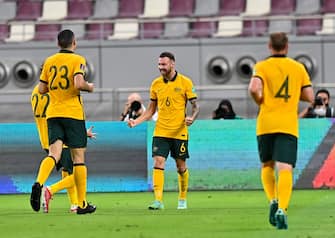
(147, 115)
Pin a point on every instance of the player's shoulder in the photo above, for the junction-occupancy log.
(78, 57)
(35, 90)
(262, 62)
(184, 78)
(157, 80)
(49, 58)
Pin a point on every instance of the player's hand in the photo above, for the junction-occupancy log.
(189, 121)
(91, 87)
(90, 133)
(131, 123)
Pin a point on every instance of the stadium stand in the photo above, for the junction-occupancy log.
(125, 29)
(105, 9)
(98, 31)
(177, 25)
(46, 32)
(305, 7)
(79, 9)
(28, 10)
(231, 7)
(230, 23)
(328, 25)
(257, 8)
(328, 6)
(203, 29)
(130, 8)
(255, 27)
(229, 26)
(54, 10)
(152, 19)
(282, 7)
(154, 8)
(4, 32)
(206, 8)
(21, 32)
(78, 29)
(7, 11)
(178, 28)
(181, 8)
(282, 24)
(151, 29)
(308, 26)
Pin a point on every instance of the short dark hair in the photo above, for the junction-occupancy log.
(65, 38)
(167, 54)
(278, 40)
(323, 90)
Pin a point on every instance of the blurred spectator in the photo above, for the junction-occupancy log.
(224, 111)
(320, 107)
(133, 108)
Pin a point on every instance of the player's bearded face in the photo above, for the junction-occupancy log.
(164, 66)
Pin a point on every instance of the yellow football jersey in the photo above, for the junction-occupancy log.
(172, 97)
(283, 79)
(39, 104)
(58, 72)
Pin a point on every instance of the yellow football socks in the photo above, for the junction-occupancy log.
(285, 185)
(72, 190)
(80, 179)
(65, 182)
(269, 182)
(46, 166)
(158, 183)
(183, 184)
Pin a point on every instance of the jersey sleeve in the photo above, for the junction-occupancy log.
(190, 90)
(258, 71)
(43, 75)
(80, 66)
(153, 91)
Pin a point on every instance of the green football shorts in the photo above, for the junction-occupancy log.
(278, 147)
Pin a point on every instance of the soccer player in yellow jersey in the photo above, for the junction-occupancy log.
(169, 94)
(62, 76)
(277, 85)
(40, 103)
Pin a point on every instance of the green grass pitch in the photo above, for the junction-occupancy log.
(210, 214)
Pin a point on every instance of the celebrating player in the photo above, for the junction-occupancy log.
(169, 94)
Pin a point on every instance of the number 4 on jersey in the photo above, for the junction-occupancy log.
(283, 91)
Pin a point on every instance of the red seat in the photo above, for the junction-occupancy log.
(79, 9)
(282, 7)
(28, 9)
(151, 29)
(179, 8)
(130, 8)
(4, 31)
(98, 31)
(255, 28)
(308, 26)
(231, 7)
(328, 6)
(203, 29)
(46, 32)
